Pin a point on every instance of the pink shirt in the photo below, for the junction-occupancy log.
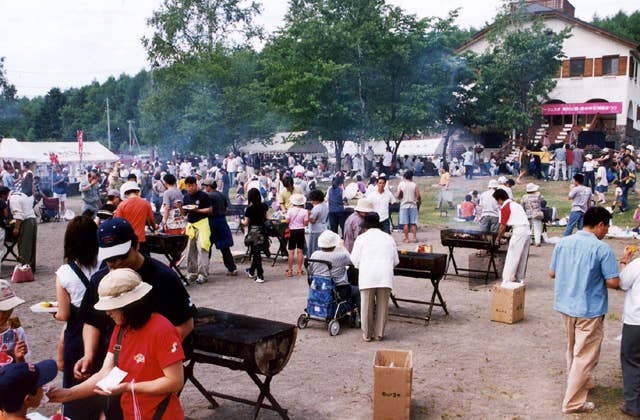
(297, 216)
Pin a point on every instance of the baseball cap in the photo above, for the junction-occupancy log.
(17, 380)
(8, 299)
(113, 193)
(114, 238)
(502, 180)
(493, 184)
(129, 186)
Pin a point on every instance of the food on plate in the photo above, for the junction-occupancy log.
(48, 304)
(190, 207)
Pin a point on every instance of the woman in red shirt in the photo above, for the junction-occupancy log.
(145, 345)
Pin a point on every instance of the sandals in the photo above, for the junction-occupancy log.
(301, 273)
(365, 338)
(289, 273)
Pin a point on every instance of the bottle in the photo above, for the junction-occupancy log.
(627, 230)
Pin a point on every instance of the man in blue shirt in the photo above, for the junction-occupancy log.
(60, 185)
(583, 267)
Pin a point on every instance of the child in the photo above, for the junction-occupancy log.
(617, 201)
(21, 386)
(13, 340)
(297, 218)
(467, 209)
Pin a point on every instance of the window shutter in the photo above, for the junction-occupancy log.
(566, 70)
(598, 67)
(622, 66)
(588, 67)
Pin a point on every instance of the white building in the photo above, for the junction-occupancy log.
(599, 76)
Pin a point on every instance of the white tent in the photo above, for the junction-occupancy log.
(11, 149)
(422, 147)
(67, 152)
(279, 143)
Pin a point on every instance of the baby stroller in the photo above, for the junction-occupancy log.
(325, 302)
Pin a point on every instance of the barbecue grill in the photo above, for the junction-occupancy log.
(171, 246)
(239, 342)
(474, 239)
(422, 266)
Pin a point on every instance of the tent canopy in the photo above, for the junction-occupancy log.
(308, 146)
(279, 143)
(93, 151)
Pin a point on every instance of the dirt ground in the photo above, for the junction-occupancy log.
(465, 366)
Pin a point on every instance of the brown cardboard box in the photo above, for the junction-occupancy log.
(392, 376)
(507, 302)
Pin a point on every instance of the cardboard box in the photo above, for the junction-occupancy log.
(392, 376)
(507, 302)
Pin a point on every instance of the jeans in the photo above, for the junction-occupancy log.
(337, 219)
(545, 171)
(624, 199)
(590, 180)
(256, 262)
(468, 171)
(386, 225)
(575, 217)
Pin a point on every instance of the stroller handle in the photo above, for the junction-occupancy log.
(327, 263)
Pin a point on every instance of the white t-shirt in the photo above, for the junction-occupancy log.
(72, 284)
(381, 203)
(629, 282)
(386, 158)
(588, 166)
(601, 176)
(409, 199)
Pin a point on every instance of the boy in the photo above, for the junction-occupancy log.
(13, 340)
(21, 386)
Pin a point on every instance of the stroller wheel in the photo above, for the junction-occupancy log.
(334, 327)
(303, 320)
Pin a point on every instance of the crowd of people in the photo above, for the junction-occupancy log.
(119, 305)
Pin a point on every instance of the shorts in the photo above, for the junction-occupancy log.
(602, 188)
(296, 239)
(408, 216)
(61, 197)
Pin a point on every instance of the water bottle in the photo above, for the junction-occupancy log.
(627, 230)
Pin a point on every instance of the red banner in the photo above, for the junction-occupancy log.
(590, 108)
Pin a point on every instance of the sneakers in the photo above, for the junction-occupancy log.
(248, 271)
(201, 280)
(231, 273)
(259, 280)
(191, 277)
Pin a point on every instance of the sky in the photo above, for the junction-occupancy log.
(70, 43)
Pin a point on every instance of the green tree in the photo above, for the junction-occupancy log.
(627, 26)
(9, 105)
(516, 73)
(48, 124)
(187, 28)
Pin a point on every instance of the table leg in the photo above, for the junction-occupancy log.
(393, 299)
(265, 392)
(436, 292)
(189, 376)
(453, 260)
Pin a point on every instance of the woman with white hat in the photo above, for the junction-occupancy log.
(532, 204)
(297, 218)
(145, 345)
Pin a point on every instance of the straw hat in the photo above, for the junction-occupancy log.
(364, 205)
(298, 200)
(531, 187)
(328, 239)
(119, 288)
(129, 186)
(502, 180)
(493, 184)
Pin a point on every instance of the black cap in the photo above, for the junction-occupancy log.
(17, 380)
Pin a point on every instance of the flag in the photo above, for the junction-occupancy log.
(80, 135)
(54, 158)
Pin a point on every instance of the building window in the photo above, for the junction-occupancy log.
(576, 67)
(610, 65)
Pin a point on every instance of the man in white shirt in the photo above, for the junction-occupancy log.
(380, 198)
(387, 158)
(25, 229)
(489, 209)
(369, 158)
(409, 195)
(512, 214)
(468, 163)
(629, 355)
(232, 168)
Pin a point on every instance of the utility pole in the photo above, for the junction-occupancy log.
(130, 122)
(108, 127)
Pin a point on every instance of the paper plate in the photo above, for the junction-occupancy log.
(49, 309)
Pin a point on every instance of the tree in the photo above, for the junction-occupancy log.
(187, 28)
(516, 73)
(9, 106)
(48, 124)
(627, 26)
